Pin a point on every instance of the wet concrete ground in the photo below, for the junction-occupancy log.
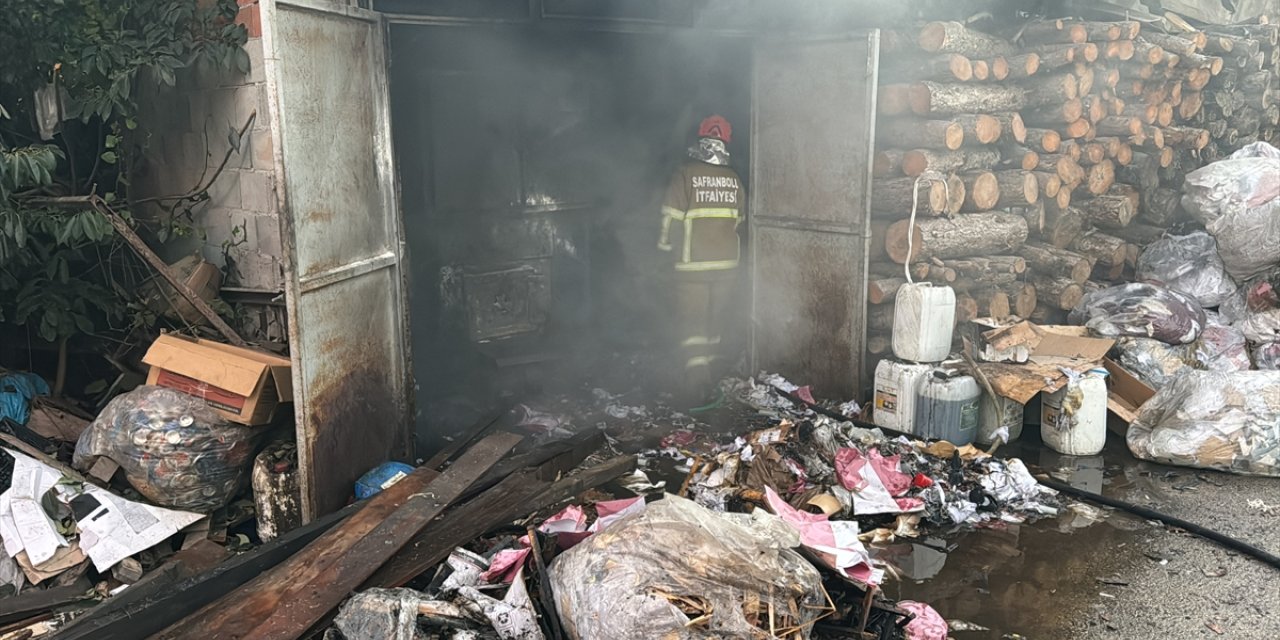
(1122, 577)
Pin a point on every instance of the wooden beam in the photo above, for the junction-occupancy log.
(286, 601)
(508, 500)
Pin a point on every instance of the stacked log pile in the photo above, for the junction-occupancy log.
(1047, 156)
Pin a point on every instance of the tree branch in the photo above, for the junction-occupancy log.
(191, 195)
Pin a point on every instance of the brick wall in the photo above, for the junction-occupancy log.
(185, 129)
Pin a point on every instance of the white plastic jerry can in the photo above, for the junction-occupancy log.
(893, 406)
(947, 407)
(1007, 422)
(1073, 419)
(923, 318)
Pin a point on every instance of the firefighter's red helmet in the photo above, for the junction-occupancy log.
(716, 127)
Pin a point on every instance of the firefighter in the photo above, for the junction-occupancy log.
(701, 213)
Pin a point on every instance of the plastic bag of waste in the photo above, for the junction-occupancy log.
(1213, 420)
(1140, 310)
(1152, 361)
(1267, 356)
(17, 389)
(1238, 201)
(1221, 347)
(1188, 264)
(1255, 308)
(679, 571)
(173, 448)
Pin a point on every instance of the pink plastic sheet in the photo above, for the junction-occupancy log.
(835, 543)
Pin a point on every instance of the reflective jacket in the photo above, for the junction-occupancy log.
(700, 217)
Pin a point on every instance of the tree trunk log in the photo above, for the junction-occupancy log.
(928, 98)
(1017, 155)
(1100, 177)
(1078, 129)
(922, 134)
(1084, 81)
(1051, 31)
(1112, 211)
(1049, 183)
(981, 70)
(917, 161)
(1063, 199)
(981, 267)
(1011, 124)
(953, 37)
(895, 194)
(1141, 172)
(964, 235)
(1057, 292)
(1050, 260)
(1102, 248)
(1054, 115)
(982, 191)
(893, 99)
(1120, 50)
(964, 284)
(1046, 140)
(884, 289)
(1062, 225)
(992, 303)
(1139, 233)
(1186, 137)
(1051, 89)
(1033, 214)
(1063, 165)
(1181, 46)
(1118, 126)
(1022, 298)
(1148, 52)
(1016, 188)
(948, 67)
(886, 163)
(1145, 112)
(966, 308)
(1054, 56)
(1095, 107)
(999, 68)
(980, 128)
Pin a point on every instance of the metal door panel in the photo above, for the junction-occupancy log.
(325, 67)
(811, 146)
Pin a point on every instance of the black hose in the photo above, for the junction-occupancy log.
(1209, 534)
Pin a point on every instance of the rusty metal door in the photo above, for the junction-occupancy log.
(812, 129)
(325, 65)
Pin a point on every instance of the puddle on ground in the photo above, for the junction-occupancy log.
(1032, 579)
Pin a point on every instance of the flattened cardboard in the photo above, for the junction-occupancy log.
(1043, 372)
(244, 385)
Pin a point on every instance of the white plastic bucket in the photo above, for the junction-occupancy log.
(1073, 419)
(923, 318)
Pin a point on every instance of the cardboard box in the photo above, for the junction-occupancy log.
(244, 385)
(1125, 395)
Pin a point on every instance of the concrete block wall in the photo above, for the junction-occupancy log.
(185, 131)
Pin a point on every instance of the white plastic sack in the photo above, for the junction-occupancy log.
(679, 571)
(1188, 264)
(1238, 201)
(1213, 420)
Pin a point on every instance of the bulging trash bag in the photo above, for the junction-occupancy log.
(1267, 356)
(173, 448)
(1140, 310)
(1188, 264)
(1213, 420)
(679, 571)
(1152, 361)
(1238, 201)
(1222, 347)
(1255, 309)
